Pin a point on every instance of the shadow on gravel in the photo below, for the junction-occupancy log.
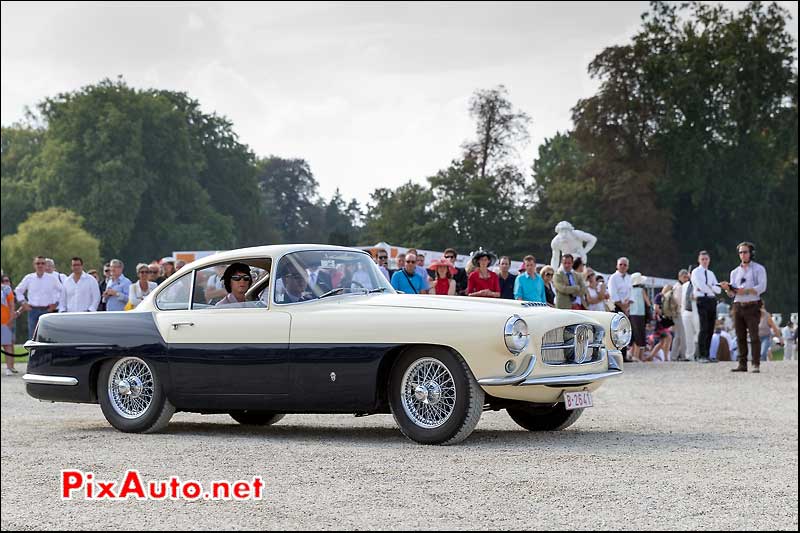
(572, 440)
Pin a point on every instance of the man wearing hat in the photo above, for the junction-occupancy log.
(483, 283)
(168, 267)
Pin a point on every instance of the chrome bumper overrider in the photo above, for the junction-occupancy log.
(556, 381)
(38, 379)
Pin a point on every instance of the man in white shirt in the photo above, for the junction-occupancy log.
(620, 286)
(747, 283)
(38, 292)
(620, 289)
(80, 291)
(678, 342)
(705, 289)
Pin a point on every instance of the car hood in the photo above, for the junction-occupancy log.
(451, 303)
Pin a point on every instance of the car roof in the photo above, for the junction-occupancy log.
(274, 251)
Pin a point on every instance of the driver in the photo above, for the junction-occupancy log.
(295, 284)
(237, 279)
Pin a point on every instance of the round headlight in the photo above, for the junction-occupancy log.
(621, 331)
(516, 334)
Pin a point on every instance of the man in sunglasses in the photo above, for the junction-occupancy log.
(38, 292)
(382, 260)
(747, 283)
(237, 279)
(460, 277)
(295, 283)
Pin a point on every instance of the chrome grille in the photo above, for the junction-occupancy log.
(558, 345)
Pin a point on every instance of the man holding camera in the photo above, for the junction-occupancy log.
(747, 283)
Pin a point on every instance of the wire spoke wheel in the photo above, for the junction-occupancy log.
(131, 387)
(428, 393)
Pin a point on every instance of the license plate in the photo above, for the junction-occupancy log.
(577, 400)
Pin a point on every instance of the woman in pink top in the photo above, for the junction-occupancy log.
(483, 283)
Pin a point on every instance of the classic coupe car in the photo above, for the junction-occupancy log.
(260, 332)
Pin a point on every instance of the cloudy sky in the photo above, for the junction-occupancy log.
(371, 95)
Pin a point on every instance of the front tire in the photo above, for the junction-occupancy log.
(434, 396)
(132, 397)
(544, 418)
(256, 418)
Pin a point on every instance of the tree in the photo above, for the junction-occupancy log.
(125, 160)
(290, 198)
(694, 115)
(20, 146)
(404, 215)
(477, 210)
(498, 128)
(57, 233)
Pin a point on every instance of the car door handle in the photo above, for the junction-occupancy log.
(176, 325)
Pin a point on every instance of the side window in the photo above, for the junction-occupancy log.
(176, 296)
(249, 281)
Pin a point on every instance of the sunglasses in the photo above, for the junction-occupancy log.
(383, 257)
(39, 263)
(548, 275)
(145, 272)
(410, 261)
(154, 271)
(744, 252)
(449, 257)
(243, 277)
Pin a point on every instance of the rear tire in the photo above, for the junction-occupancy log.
(544, 418)
(434, 396)
(256, 418)
(132, 397)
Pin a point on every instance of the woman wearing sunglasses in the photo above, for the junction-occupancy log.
(139, 290)
(237, 279)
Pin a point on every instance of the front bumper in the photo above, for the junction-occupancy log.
(525, 379)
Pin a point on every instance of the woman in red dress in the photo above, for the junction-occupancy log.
(483, 283)
(444, 284)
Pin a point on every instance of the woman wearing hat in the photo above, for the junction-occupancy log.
(483, 283)
(638, 315)
(444, 284)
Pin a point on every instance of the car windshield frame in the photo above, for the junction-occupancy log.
(383, 283)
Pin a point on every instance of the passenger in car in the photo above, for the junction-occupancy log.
(237, 279)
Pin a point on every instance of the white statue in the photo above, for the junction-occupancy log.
(569, 240)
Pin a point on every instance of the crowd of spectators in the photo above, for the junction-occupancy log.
(681, 322)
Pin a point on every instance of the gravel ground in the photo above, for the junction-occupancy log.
(675, 446)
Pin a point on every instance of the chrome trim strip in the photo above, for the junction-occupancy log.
(568, 346)
(522, 379)
(513, 380)
(32, 345)
(570, 380)
(38, 379)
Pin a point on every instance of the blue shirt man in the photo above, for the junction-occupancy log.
(529, 286)
(116, 293)
(407, 279)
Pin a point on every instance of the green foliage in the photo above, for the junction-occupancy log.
(693, 131)
(55, 233)
(404, 215)
(477, 210)
(498, 129)
(20, 147)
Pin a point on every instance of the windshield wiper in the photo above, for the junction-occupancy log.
(379, 289)
(332, 292)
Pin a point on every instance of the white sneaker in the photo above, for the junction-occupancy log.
(9, 372)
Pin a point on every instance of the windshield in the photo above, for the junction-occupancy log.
(305, 276)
